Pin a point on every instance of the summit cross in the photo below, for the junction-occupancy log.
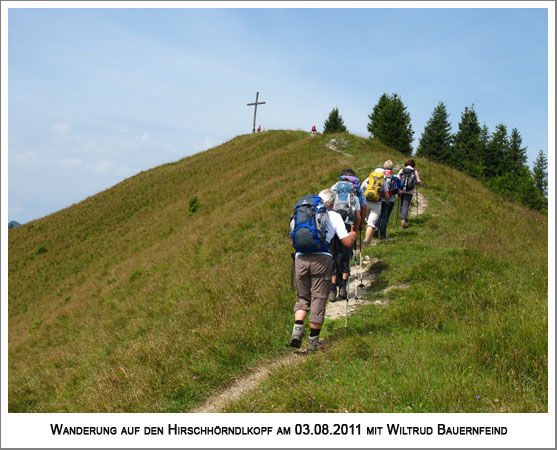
(255, 110)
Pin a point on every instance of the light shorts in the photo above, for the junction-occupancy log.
(373, 212)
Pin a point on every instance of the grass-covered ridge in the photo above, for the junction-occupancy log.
(129, 301)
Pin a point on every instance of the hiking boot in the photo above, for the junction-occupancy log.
(403, 224)
(332, 294)
(366, 243)
(297, 335)
(342, 292)
(314, 344)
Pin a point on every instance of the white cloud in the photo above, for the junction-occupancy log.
(111, 169)
(15, 209)
(206, 143)
(145, 136)
(28, 157)
(71, 162)
(61, 128)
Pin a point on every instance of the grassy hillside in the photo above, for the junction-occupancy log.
(131, 302)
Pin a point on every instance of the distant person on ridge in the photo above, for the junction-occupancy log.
(315, 226)
(259, 129)
(348, 204)
(409, 179)
(313, 130)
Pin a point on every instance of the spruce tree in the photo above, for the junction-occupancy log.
(376, 116)
(540, 177)
(391, 124)
(436, 139)
(334, 124)
(517, 186)
(516, 158)
(468, 148)
(483, 143)
(496, 151)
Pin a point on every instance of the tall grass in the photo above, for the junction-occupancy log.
(136, 301)
(466, 331)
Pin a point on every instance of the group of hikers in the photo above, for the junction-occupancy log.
(324, 230)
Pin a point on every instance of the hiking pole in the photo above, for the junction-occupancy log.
(355, 277)
(348, 289)
(394, 215)
(361, 276)
(417, 203)
(397, 214)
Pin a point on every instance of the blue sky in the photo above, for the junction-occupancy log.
(97, 95)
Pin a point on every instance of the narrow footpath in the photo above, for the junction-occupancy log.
(364, 280)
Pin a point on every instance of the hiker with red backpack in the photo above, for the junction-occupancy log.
(314, 226)
(347, 203)
(409, 179)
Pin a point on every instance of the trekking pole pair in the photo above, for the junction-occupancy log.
(361, 285)
(348, 289)
(356, 276)
(397, 213)
(417, 203)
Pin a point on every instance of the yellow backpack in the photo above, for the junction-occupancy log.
(374, 187)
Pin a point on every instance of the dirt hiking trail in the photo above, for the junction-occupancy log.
(364, 280)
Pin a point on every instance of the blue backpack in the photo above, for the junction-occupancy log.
(397, 184)
(309, 231)
(344, 201)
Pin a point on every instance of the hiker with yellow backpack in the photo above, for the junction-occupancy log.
(374, 191)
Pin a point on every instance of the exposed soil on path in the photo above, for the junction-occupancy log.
(362, 281)
(245, 384)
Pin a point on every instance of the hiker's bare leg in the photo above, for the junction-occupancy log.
(369, 232)
(301, 315)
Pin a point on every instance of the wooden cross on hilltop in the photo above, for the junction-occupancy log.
(255, 110)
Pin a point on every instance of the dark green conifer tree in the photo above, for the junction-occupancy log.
(540, 178)
(436, 139)
(467, 147)
(391, 125)
(375, 117)
(515, 158)
(517, 186)
(483, 143)
(334, 123)
(497, 148)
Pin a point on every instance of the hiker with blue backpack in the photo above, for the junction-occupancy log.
(391, 186)
(409, 179)
(315, 228)
(347, 203)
